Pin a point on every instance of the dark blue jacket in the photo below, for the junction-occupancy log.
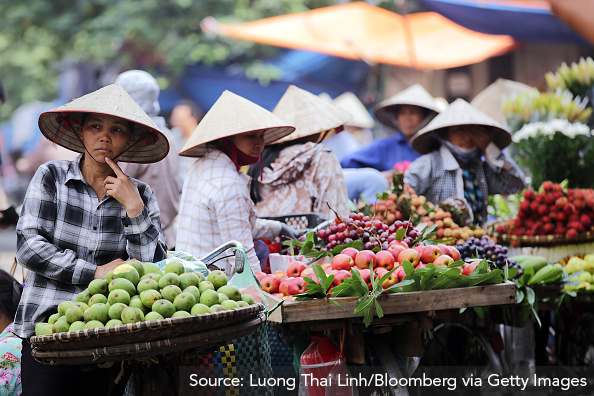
(381, 154)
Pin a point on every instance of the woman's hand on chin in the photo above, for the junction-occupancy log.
(123, 190)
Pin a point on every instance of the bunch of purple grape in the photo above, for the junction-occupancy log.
(373, 233)
(485, 248)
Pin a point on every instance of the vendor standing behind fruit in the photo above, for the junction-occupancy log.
(215, 205)
(463, 159)
(297, 174)
(83, 218)
(406, 112)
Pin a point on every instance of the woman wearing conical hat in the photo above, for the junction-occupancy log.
(463, 158)
(82, 218)
(215, 204)
(299, 175)
(406, 112)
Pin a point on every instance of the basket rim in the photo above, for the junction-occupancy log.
(218, 318)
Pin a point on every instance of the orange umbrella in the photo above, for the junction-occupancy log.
(358, 30)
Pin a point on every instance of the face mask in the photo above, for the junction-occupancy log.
(460, 153)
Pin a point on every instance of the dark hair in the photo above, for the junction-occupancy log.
(10, 293)
(269, 155)
(2, 92)
(195, 109)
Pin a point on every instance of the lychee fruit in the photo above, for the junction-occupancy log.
(525, 206)
(571, 234)
(548, 185)
(561, 202)
(529, 195)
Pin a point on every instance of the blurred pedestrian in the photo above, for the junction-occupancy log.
(453, 147)
(161, 176)
(184, 119)
(215, 204)
(10, 345)
(406, 112)
(298, 174)
(8, 214)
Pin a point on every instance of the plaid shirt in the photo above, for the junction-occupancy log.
(438, 176)
(65, 232)
(216, 208)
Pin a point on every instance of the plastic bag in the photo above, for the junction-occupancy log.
(246, 281)
(190, 263)
(321, 368)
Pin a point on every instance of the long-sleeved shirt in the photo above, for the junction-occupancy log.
(216, 208)
(65, 231)
(438, 176)
(381, 154)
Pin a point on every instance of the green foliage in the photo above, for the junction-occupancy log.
(158, 36)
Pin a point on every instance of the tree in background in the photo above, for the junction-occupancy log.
(160, 36)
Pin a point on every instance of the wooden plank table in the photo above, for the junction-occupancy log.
(392, 304)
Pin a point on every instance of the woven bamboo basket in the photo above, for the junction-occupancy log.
(140, 332)
(204, 340)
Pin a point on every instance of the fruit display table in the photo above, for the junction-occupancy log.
(398, 303)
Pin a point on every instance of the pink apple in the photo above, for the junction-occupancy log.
(395, 250)
(284, 286)
(260, 275)
(445, 249)
(410, 255)
(430, 253)
(295, 268)
(279, 274)
(385, 259)
(364, 258)
(352, 252)
(340, 276)
(421, 265)
(400, 273)
(278, 295)
(308, 272)
(467, 268)
(297, 286)
(390, 280)
(325, 266)
(270, 284)
(455, 253)
(401, 243)
(443, 261)
(342, 262)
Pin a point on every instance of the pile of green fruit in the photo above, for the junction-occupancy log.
(136, 292)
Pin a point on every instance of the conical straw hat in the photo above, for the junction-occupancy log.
(490, 100)
(458, 113)
(308, 113)
(414, 95)
(233, 115)
(350, 103)
(62, 124)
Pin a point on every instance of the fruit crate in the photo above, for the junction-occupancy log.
(398, 303)
(300, 221)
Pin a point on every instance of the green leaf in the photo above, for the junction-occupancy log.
(358, 283)
(530, 295)
(275, 307)
(519, 296)
(307, 247)
(400, 234)
(378, 309)
(335, 303)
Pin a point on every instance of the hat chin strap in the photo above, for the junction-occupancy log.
(114, 158)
